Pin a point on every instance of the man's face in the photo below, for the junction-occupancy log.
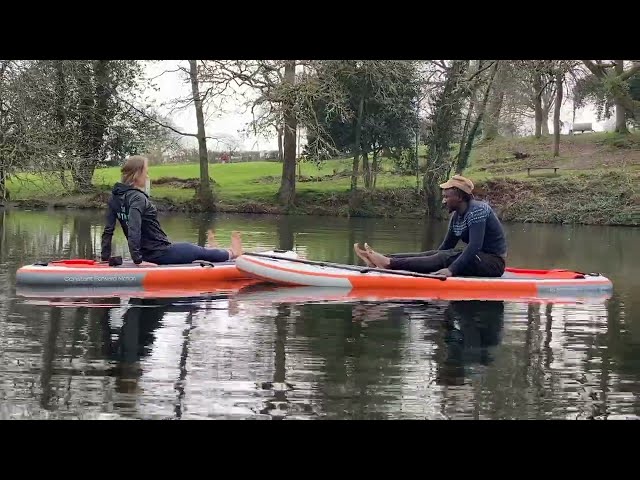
(451, 199)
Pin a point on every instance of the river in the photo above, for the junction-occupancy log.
(250, 355)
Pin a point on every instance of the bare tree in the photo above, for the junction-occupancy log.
(280, 97)
(445, 106)
(468, 137)
(556, 114)
(205, 192)
(280, 132)
(523, 89)
(268, 88)
(201, 96)
(287, 191)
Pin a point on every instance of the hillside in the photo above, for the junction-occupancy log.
(578, 153)
(596, 183)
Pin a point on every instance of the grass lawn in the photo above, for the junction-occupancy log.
(234, 182)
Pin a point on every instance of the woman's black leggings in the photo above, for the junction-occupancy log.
(183, 252)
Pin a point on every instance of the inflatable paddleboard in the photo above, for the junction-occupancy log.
(92, 273)
(515, 282)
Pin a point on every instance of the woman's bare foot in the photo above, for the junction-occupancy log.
(236, 244)
(362, 255)
(376, 258)
(211, 239)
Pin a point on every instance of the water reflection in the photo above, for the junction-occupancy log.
(126, 345)
(264, 353)
(225, 357)
(469, 329)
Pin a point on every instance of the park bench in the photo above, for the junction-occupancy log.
(581, 127)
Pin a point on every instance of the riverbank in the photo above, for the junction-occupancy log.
(596, 183)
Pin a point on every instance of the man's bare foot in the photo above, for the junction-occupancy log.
(211, 239)
(362, 255)
(236, 244)
(376, 258)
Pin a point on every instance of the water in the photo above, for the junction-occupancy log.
(257, 354)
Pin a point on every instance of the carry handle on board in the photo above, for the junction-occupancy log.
(355, 268)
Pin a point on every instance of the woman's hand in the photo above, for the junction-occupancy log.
(147, 264)
(445, 272)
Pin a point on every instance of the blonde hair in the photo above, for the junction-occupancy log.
(132, 169)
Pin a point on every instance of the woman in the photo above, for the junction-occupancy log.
(138, 218)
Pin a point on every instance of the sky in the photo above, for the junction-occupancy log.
(232, 122)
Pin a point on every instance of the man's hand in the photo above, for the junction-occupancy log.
(445, 272)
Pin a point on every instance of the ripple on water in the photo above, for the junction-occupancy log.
(240, 357)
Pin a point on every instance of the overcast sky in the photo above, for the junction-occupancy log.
(233, 121)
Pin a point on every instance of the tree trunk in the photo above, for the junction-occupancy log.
(61, 90)
(94, 103)
(366, 169)
(356, 147)
(548, 101)
(374, 167)
(4, 195)
(280, 133)
(83, 174)
(444, 117)
(465, 130)
(3, 232)
(621, 111)
(537, 101)
(556, 114)
(287, 190)
(432, 193)
(205, 193)
(467, 120)
(492, 118)
(463, 158)
(545, 119)
(61, 117)
(622, 99)
(102, 95)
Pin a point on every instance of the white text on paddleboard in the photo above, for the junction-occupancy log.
(100, 279)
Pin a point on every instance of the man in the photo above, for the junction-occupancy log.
(474, 222)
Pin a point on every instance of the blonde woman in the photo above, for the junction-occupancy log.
(138, 217)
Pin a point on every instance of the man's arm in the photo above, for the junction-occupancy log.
(450, 240)
(476, 239)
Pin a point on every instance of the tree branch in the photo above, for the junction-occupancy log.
(631, 72)
(487, 67)
(596, 69)
(155, 120)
